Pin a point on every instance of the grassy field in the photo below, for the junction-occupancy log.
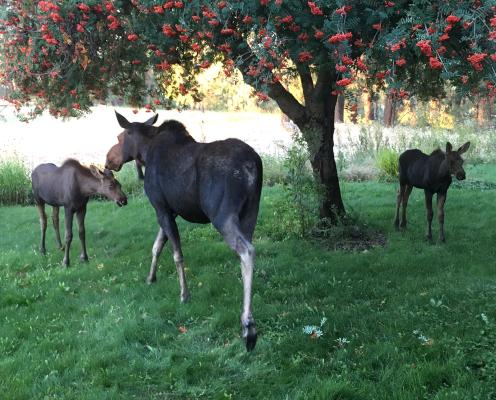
(411, 320)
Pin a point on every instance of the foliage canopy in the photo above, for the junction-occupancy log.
(65, 55)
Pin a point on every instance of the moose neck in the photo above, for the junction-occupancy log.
(89, 184)
(443, 171)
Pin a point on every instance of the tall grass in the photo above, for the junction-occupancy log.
(15, 182)
(129, 181)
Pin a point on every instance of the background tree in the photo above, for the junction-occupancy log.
(64, 55)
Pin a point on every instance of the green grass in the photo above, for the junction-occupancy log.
(412, 313)
(15, 182)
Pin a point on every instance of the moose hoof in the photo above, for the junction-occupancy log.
(428, 238)
(250, 336)
(83, 259)
(397, 225)
(442, 239)
(65, 263)
(43, 251)
(151, 279)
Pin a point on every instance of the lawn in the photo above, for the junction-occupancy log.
(410, 320)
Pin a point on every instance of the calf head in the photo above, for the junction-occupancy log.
(131, 142)
(109, 186)
(455, 161)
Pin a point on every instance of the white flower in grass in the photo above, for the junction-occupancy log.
(484, 318)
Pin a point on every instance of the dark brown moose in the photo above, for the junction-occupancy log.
(218, 182)
(71, 186)
(433, 174)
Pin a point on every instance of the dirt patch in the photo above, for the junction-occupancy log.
(348, 235)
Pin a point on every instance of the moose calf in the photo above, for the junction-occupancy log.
(431, 173)
(70, 186)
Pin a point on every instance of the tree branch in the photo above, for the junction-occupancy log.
(288, 104)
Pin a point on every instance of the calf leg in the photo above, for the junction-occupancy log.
(43, 226)
(55, 219)
(406, 195)
(399, 197)
(80, 215)
(158, 245)
(441, 200)
(242, 246)
(68, 235)
(169, 228)
(428, 206)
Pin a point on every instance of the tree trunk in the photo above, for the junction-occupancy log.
(370, 107)
(483, 112)
(339, 111)
(319, 135)
(389, 111)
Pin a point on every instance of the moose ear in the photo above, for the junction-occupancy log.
(152, 120)
(449, 147)
(96, 172)
(123, 122)
(464, 148)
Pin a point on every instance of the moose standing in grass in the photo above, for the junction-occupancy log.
(433, 174)
(71, 186)
(218, 182)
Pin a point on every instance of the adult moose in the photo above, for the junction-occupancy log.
(71, 186)
(433, 174)
(218, 182)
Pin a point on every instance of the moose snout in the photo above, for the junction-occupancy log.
(460, 175)
(122, 201)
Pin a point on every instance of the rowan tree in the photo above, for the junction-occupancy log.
(65, 55)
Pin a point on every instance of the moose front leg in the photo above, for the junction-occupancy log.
(69, 214)
(43, 226)
(441, 200)
(158, 245)
(406, 194)
(430, 214)
(56, 226)
(82, 233)
(399, 198)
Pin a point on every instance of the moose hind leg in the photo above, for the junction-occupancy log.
(242, 246)
(43, 226)
(169, 228)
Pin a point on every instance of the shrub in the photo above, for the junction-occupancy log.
(302, 192)
(274, 171)
(387, 163)
(15, 182)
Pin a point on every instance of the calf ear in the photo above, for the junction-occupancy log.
(152, 120)
(123, 122)
(464, 148)
(449, 147)
(96, 172)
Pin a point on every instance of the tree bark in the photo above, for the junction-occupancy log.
(389, 111)
(339, 111)
(370, 107)
(324, 168)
